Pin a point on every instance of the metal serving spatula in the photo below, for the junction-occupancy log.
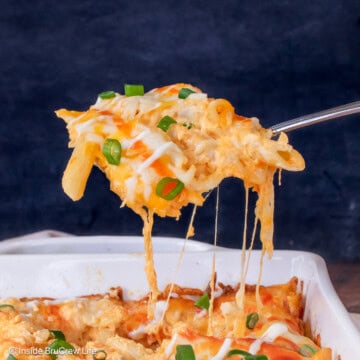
(311, 119)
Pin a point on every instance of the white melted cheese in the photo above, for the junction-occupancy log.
(129, 107)
(94, 138)
(76, 119)
(86, 126)
(109, 129)
(156, 141)
(198, 96)
(130, 184)
(200, 314)
(170, 348)
(62, 301)
(275, 330)
(147, 178)
(225, 347)
(32, 305)
(205, 145)
(105, 104)
(164, 95)
(127, 144)
(185, 176)
(228, 308)
(89, 126)
(155, 155)
(160, 308)
(153, 139)
(187, 113)
(148, 104)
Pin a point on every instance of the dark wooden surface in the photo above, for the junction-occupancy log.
(346, 280)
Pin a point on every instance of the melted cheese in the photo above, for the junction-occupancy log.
(160, 309)
(154, 156)
(225, 347)
(124, 330)
(170, 348)
(273, 332)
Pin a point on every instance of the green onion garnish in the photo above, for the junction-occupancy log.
(246, 355)
(203, 302)
(7, 306)
(57, 334)
(134, 90)
(251, 320)
(237, 352)
(169, 188)
(112, 151)
(256, 357)
(11, 357)
(59, 347)
(184, 352)
(307, 350)
(165, 123)
(107, 95)
(185, 92)
(100, 355)
(188, 125)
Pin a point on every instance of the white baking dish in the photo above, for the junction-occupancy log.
(61, 243)
(67, 274)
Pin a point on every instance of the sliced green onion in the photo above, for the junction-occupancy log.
(134, 90)
(7, 306)
(246, 355)
(307, 350)
(57, 334)
(188, 125)
(11, 357)
(165, 123)
(184, 352)
(237, 352)
(185, 92)
(107, 95)
(203, 302)
(112, 151)
(251, 320)
(59, 347)
(169, 188)
(100, 355)
(256, 357)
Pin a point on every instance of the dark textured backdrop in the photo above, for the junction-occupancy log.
(272, 59)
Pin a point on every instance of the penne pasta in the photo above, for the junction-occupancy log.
(79, 167)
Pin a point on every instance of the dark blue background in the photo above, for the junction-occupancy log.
(272, 59)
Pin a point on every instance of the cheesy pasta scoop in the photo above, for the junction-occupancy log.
(166, 148)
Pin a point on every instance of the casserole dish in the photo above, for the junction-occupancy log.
(69, 274)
